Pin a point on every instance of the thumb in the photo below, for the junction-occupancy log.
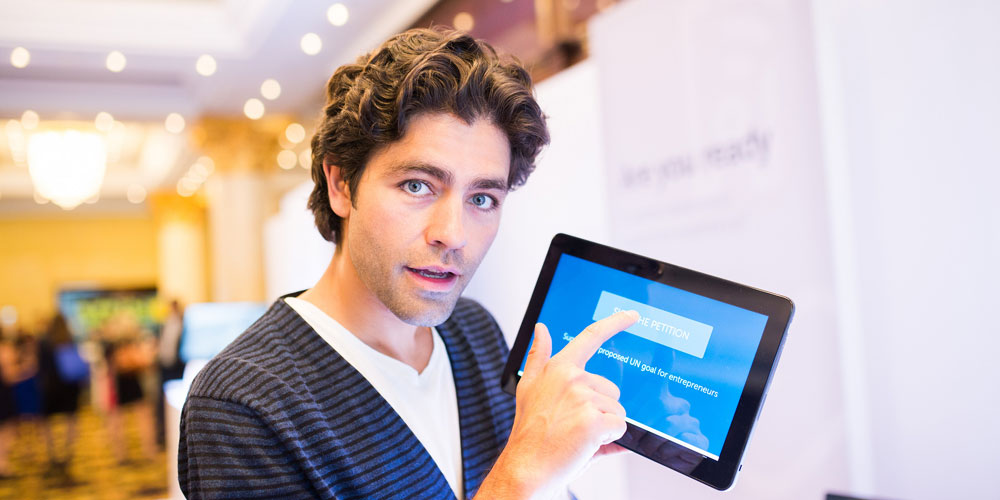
(541, 349)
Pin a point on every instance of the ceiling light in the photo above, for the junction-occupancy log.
(199, 170)
(305, 159)
(253, 108)
(104, 121)
(337, 14)
(19, 57)
(204, 165)
(311, 44)
(16, 142)
(185, 187)
(68, 166)
(270, 89)
(174, 123)
(463, 21)
(136, 194)
(205, 66)
(195, 175)
(115, 61)
(29, 119)
(188, 185)
(287, 159)
(295, 133)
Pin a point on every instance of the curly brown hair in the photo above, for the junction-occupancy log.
(369, 104)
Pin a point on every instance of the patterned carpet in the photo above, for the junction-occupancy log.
(93, 473)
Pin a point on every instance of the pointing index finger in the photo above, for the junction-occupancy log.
(583, 347)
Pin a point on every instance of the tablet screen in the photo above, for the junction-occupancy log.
(681, 368)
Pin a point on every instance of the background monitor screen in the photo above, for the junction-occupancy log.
(89, 311)
(211, 326)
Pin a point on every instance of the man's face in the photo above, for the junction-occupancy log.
(426, 210)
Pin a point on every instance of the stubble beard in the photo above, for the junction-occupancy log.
(381, 273)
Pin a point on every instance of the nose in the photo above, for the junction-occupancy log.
(446, 228)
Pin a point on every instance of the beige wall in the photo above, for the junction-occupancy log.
(40, 255)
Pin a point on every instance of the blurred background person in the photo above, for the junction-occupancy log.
(168, 357)
(62, 374)
(130, 357)
(27, 394)
(168, 349)
(8, 405)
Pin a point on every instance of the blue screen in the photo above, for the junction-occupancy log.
(211, 326)
(681, 368)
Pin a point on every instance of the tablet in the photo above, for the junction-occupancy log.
(693, 371)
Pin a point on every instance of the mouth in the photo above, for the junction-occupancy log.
(434, 273)
(434, 279)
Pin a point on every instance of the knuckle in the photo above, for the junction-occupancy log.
(580, 376)
(619, 422)
(571, 374)
(620, 410)
(612, 390)
(606, 387)
(613, 426)
(596, 424)
(561, 370)
(579, 392)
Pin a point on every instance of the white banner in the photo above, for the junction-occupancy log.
(713, 162)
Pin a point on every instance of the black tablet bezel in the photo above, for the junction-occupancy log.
(719, 474)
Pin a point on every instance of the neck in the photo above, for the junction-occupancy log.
(342, 295)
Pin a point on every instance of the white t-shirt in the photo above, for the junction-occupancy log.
(425, 401)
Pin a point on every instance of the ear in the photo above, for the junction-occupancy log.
(337, 190)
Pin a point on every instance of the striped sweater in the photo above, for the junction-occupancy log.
(279, 414)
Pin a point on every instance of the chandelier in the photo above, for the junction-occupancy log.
(67, 166)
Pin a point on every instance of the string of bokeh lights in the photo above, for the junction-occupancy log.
(20, 132)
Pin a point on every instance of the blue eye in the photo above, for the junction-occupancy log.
(483, 201)
(416, 187)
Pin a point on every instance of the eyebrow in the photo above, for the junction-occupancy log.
(446, 177)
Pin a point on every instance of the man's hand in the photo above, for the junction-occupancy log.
(564, 415)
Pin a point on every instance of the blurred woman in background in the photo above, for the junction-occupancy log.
(62, 374)
(25, 386)
(8, 405)
(130, 359)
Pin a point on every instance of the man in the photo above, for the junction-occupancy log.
(380, 381)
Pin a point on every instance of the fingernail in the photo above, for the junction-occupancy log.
(633, 314)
